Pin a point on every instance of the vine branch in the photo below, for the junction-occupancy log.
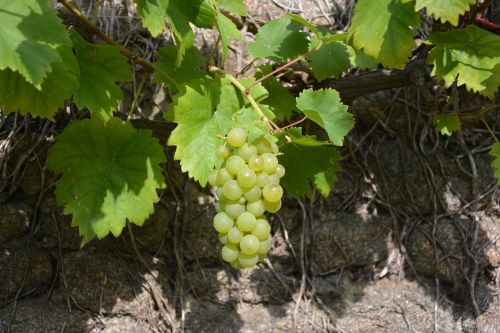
(126, 52)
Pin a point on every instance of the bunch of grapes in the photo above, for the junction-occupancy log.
(247, 186)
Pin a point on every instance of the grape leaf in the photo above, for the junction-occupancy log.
(152, 13)
(300, 20)
(467, 55)
(447, 123)
(30, 33)
(361, 60)
(383, 30)
(445, 10)
(234, 6)
(325, 108)
(306, 159)
(279, 40)
(19, 95)
(101, 66)
(495, 152)
(190, 69)
(280, 100)
(331, 60)
(250, 120)
(110, 173)
(227, 30)
(203, 110)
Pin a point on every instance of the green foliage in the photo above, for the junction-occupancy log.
(101, 66)
(445, 10)
(249, 119)
(325, 108)
(447, 124)
(18, 94)
(469, 56)
(331, 60)
(495, 152)
(110, 173)
(152, 13)
(279, 40)
(307, 160)
(203, 112)
(279, 99)
(227, 30)
(383, 29)
(30, 36)
(234, 6)
(190, 69)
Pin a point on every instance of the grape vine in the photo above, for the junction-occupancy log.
(228, 128)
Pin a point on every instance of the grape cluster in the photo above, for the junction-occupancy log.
(247, 186)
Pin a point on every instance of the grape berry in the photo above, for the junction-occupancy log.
(247, 186)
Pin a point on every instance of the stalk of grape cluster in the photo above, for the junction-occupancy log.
(247, 186)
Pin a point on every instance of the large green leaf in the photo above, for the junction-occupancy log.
(331, 60)
(467, 55)
(203, 110)
(227, 31)
(446, 124)
(279, 40)
(101, 66)
(249, 119)
(110, 173)
(383, 29)
(495, 152)
(19, 95)
(152, 13)
(445, 10)
(307, 160)
(190, 69)
(325, 108)
(30, 33)
(234, 6)
(279, 99)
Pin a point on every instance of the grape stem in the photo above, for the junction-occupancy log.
(248, 95)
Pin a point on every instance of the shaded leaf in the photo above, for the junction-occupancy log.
(331, 60)
(152, 13)
(446, 124)
(192, 66)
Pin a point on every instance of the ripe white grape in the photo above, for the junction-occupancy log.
(246, 222)
(256, 208)
(272, 207)
(253, 194)
(262, 179)
(246, 178)
(223, 238)
(264, 246)
(249, 245)
(274, 178)
(232, 190)
(236, 137)
(229, 253)
(280, 170)
(262, 229)
(270, 162)
(222, 222)
(234, 164)
(246, 151)
(212, 178)
(223, 176)
(256, 163)
(234, 209)
(272, 192)
(234, 235)
(247, 261)
(222, 152)
(264, 147)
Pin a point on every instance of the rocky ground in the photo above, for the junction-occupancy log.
(408, 241)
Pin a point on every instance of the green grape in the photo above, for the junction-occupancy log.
(264, 246)
(280, 170)
(223, 223)
(234, 164)
(222, 152)
(247, 261)
(246, 178)
(232, 190)
(270, 162)
(229, 253)
(272, 207)
(264, 147)
(236, 265)
(274, 148)
(262, 179)
(261, 257)
(236, 137)
(234, 209)
(253, 194)
(246, 222)
(242, 200)
(212, 178)
(218, 207)
(272, 192)
(234, 235)
(246, 151)
(256, 163)
(249, 245)
(262, 229)
(256, 208)
(223, 176)
(274, 178)
(223, 238)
